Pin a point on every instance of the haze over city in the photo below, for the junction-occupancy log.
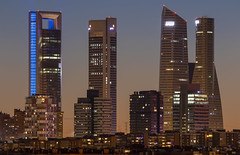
(139, 27)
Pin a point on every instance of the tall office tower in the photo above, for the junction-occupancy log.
(205, 71)
(190, 109)
(45, 69)
(103, 60)
(45, 54)
(173, 61)
(146, 112)
(92, 115)
(40, 118)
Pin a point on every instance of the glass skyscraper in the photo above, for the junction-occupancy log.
(173, 61)
(103, 60)
(45, 69)
(45, 54)
(205, 71)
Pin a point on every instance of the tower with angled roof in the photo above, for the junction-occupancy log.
(173, 61)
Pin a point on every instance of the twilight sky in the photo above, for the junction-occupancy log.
(138, 49)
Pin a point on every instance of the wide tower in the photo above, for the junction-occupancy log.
(205, 71)
(173, 61)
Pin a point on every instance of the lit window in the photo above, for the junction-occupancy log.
(196, 22)
(182, 79)
(169, 23)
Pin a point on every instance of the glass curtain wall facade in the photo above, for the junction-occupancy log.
(205, 71)
(173, 61)
(103, 60)
(45, 65)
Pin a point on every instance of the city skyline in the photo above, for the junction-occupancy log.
(125, 62)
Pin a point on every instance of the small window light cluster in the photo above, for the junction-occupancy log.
(197, 22)
(89, 27)
(169, 23)
(112, 28)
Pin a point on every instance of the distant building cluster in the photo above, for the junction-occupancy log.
(202, 142)
(185, 111)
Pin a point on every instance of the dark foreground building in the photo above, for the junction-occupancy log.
(146, 112)
(12, 127)
(203, 142)
(205, 70)
(103, 61)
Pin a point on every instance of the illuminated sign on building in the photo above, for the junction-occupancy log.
(169, 23)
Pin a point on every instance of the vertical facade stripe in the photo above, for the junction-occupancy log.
(33, 71)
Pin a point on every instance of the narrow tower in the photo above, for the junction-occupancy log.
(45, 69)
(45, 54)
(205, 71)
(103, 60)
(173, 61)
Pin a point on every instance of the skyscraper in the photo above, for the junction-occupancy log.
(146, 112)
(205, 71)
(45, 70)
(173, 61)
(103, 60)
(45, 63)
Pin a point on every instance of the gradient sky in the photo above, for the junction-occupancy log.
(138, 49)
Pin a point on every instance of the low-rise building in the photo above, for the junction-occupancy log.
(12, 127)
(40, 118)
